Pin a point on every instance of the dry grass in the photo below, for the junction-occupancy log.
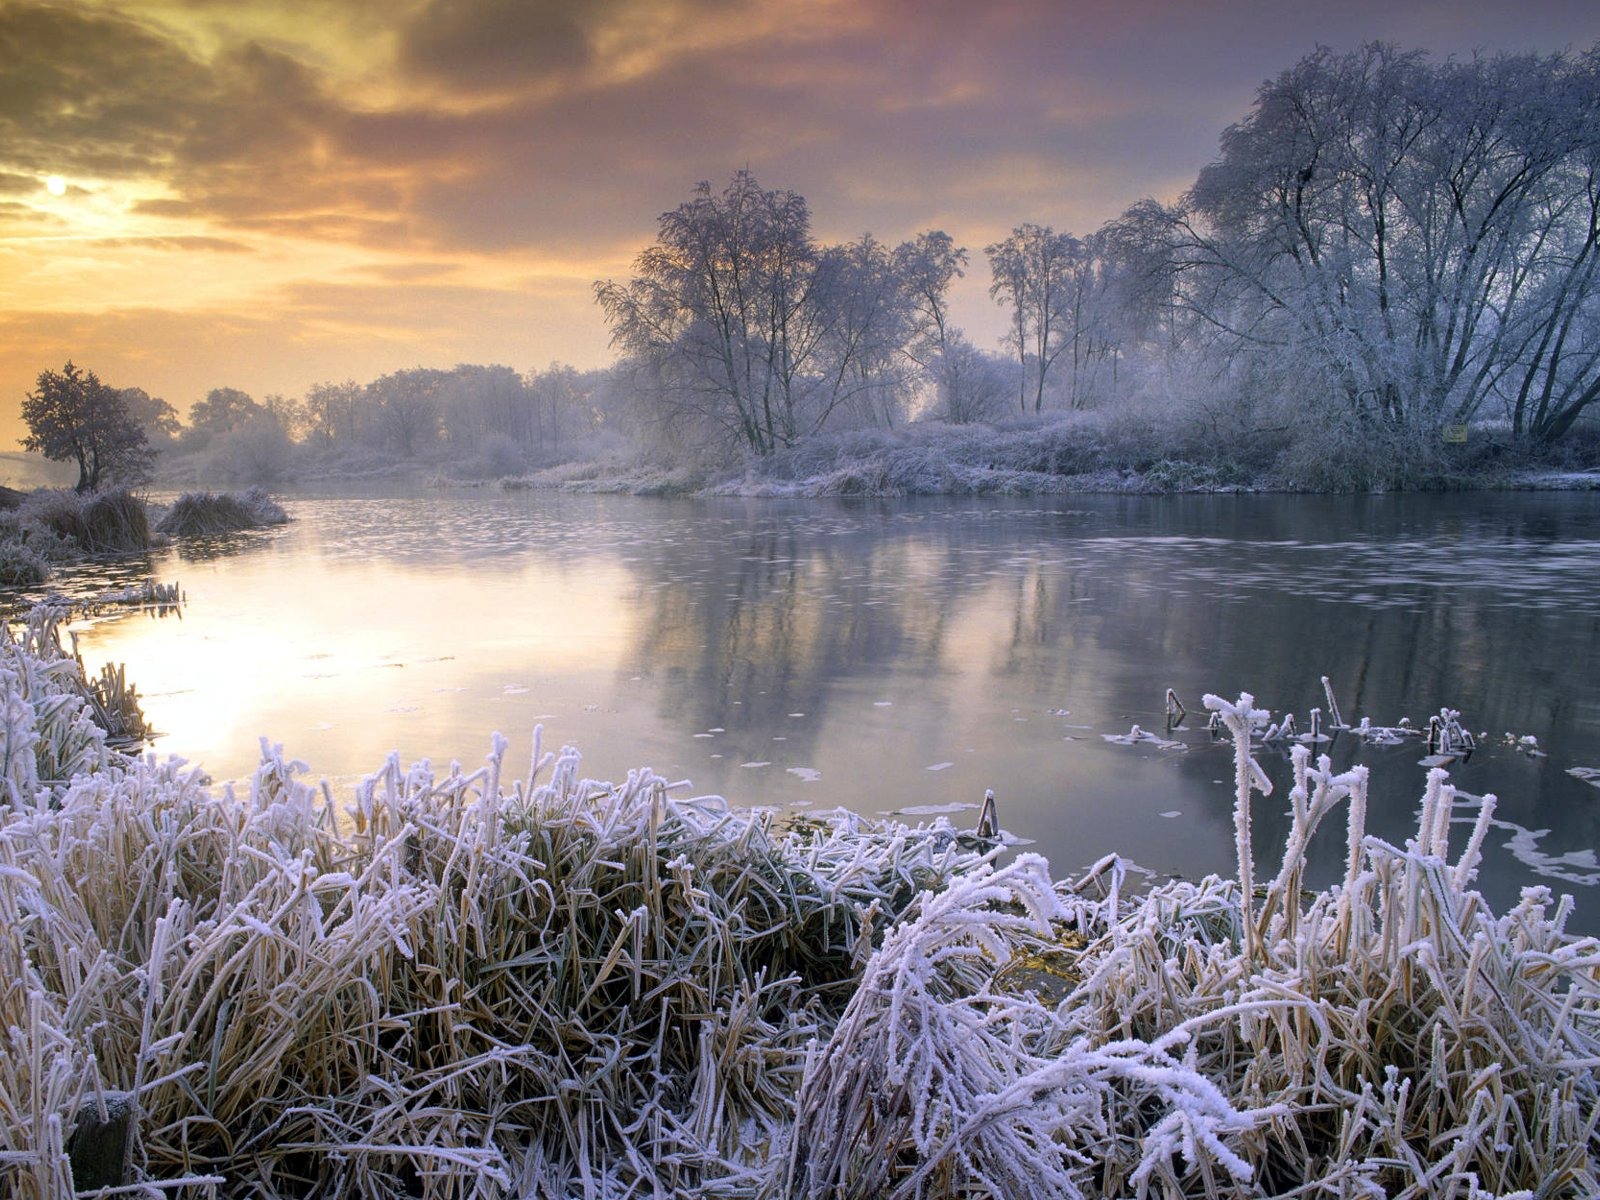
(199, 514)
(552, 988)
(1386, 1037)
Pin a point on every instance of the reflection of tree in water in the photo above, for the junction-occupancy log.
(208, 547)
(760, 618)
(768, 621)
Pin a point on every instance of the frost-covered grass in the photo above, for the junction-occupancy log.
(198, 514)
(461, 985)
(1133, 448)
(54, 526)
(1247, 1037)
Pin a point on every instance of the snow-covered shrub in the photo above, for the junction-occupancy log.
(196, 514)
(561, 987)
(1389, 1036)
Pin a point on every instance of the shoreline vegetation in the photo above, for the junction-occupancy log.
(457, 984)
(1072, 455)
(48, 527)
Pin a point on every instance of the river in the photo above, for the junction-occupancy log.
(903, 656)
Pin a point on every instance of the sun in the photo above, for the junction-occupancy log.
(56, 185)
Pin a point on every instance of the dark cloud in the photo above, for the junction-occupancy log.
(83, 93)
(541, 139)
(479, 44)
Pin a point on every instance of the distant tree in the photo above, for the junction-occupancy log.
(407, 409)
(1032, 272)
(224, 410)
(255, 452)
(72, 416)
(925, 267)
(738, 322)
(974, 384)
(866, 322)
(561, 408)
(332, 412)
(287, 413)
(155, 416)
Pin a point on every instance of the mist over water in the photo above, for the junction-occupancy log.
(906, 655)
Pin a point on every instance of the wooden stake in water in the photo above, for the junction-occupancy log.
(988, 817)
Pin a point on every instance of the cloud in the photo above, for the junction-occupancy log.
(479, 44)
(210, 245)
(531, 144)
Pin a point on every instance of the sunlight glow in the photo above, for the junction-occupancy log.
(56, 185)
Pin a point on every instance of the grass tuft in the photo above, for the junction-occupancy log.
(552, 987)
(199, 514)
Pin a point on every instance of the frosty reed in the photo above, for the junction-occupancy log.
(463, 985)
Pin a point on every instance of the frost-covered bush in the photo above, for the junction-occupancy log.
(196, 514)
(554, 988)
(1389, 1036)
(61, 525)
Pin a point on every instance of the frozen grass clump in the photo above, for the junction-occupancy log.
(199, 514)
(556, 988)
(54, 721)
(1389, 1036)
(560, 988)
(21, 565)
(54, 525)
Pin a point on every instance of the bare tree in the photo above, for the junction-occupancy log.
(1031, 271)
(738, 322)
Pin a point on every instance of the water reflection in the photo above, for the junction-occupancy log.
(910, 655)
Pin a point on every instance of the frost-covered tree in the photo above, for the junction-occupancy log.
(926, 266)
(72, 417)
(157, 418)
(975, 385)
(1032, 274)
(738, 323)
(404, 408)
(1419, 238)
(332, 412)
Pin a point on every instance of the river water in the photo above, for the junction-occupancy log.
(905, 656)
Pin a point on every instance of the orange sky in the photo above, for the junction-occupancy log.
(269, 194)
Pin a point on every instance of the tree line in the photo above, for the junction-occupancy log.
(486, 417)
(1384, 243)
(1383, 239)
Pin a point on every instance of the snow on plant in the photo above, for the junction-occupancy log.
(555, 987)
(1388, 1036)
(938, 1080)
(52, 720)
(549, 988)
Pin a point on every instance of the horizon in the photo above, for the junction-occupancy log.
(266, 196)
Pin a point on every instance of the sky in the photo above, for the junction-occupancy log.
(267, 195)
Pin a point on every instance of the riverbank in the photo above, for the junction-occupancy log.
(1089, 453)
(43, 529)
(458, 983)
